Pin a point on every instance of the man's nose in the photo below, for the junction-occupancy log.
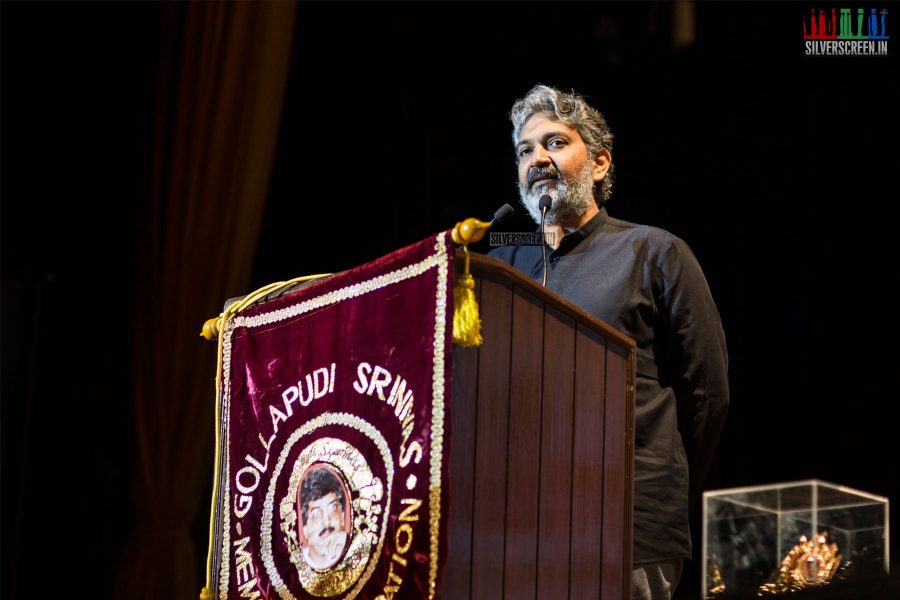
(540, 157)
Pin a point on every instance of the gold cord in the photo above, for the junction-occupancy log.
(213, 327)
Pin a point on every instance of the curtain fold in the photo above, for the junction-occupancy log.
(215, 114)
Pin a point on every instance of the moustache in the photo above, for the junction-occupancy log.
(326, 531)
(541, 173)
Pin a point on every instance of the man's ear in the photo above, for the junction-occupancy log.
(602, 163)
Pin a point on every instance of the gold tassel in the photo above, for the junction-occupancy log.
(205, 594)
(466, 321)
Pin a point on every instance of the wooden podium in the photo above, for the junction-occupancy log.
(542, 448)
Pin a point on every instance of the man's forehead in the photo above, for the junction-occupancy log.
(329, 497)
(542, 124)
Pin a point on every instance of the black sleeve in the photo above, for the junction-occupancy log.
(696, 358)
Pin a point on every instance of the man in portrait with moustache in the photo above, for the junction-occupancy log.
(322, 507)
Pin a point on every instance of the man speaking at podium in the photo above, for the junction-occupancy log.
(646, 283)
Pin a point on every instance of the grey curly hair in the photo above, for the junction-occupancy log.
(571, 109)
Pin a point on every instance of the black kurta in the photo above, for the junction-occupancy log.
(646, 283)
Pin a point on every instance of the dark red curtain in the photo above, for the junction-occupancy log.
(211, 140)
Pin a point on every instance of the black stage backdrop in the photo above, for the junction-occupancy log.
(779, 170)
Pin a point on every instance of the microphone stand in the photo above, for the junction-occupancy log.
(545, 203)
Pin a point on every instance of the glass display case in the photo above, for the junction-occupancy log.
(777, 539)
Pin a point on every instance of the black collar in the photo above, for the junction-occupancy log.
(571, 240)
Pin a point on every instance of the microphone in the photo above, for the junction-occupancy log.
(502, 213)
(544, 204)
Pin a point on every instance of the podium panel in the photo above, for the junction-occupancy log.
(542, 448)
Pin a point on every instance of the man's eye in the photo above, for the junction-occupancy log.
(524, 152)
(556, 143)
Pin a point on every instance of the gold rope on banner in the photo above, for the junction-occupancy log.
(210, 331)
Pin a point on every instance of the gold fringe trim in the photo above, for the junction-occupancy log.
(212, 327)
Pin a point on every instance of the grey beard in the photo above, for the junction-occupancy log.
(571, 199)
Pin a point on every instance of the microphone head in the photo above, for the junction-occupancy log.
(502, 213)
(545, 203)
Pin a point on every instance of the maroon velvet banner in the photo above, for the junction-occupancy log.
(335, 417)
